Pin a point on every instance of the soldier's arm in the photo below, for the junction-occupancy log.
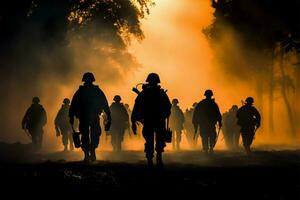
(258, 117)
(126, 114)
(56, 123)
(25, 119)
(218, 115)
(195, 119)
(44, 115)
(182, 116)
(167, 103)
(136, 113)
(74, 106)
(105, 105)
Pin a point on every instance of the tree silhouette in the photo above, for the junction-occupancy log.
(262, 27)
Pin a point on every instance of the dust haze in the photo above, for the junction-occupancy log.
(174, 46)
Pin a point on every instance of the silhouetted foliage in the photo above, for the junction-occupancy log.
(259, 23)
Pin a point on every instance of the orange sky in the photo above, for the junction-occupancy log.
(175, 47)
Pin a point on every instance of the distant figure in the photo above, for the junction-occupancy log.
(206, 115)
(176, 124)
(34, 120)
(120, 120)
(189, 128)
(152, 107)
(230, 128)
(129, 122)
(249, 121)
(87, 104)
(63, 126)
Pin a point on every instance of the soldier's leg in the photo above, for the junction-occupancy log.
(160, 142)
(84, 129)
(95, 137)
(148, 133)
(113, 138)
(178, 138)
(65, 138)
(236, 139)
(70, 138)
(204, 139)
(174, 140)
(122, 133)
(117, 139)
(212, 139)
(246, 136)
(34, 137)
(40, 137)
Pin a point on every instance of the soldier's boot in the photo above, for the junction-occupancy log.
(205, 151)
(93, 155)
(71, 147)
(150, 163)
(86, 157)
(66, 148)
(248, 150)
(159, 161)
(178, 146)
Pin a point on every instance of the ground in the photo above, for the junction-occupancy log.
(229, 175)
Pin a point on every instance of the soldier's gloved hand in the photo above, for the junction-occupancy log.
(107, 125)
(133, 127)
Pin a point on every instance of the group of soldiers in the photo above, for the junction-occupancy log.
(153, 110)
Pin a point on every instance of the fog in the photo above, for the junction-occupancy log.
(174, 47)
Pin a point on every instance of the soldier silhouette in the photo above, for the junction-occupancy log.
(87, 104)
(188, 126)
(63, 126)
(207, 115)
(249, 121)
(129, 114)
(120, 120)
(230, 128)
(152, 107)
(176, 124)
(34, 120)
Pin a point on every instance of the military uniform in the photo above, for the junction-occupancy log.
(33, 121)
(249, 120)
(87, 104)
(176, 124)
(120, 120)
(206, 115)
(230, 128)
(63, 126)
(152, 107)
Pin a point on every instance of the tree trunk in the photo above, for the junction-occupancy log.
(285, 96)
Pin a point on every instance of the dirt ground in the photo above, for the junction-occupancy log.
(268, 174)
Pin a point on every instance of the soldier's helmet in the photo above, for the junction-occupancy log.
(35, 100)
(153, 78)
(249, 100)
(66, 101)
(117, 98)
(175, 101)
(234, 107)
(208, 93)
(88, 77)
